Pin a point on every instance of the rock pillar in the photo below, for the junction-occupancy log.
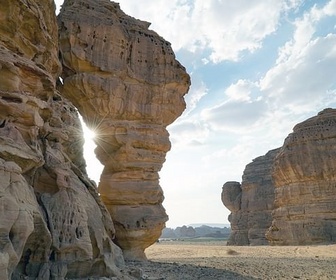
(128, 86)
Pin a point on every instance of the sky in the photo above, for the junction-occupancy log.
(257, 68)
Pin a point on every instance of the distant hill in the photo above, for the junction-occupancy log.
(216, 225)
(197, 231)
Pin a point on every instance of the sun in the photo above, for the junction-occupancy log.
(88, 133)
(93, 166)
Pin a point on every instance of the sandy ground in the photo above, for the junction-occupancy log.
(214, 260)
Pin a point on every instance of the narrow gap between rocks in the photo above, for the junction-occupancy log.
(93, 166)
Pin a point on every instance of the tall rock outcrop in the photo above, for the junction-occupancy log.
(251, 202)
(53, 224)
(126, 83)
(305, 179)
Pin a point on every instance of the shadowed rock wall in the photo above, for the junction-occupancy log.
(126, 83)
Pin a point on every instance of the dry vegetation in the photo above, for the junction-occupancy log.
(214, 260)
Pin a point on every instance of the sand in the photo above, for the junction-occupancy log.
(186, 260)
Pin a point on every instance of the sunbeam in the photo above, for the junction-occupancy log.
(93, 166)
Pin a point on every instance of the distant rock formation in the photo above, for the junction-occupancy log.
(297, 181)
(126, 83)
(251, 202)
(195, 232)
(305, 184)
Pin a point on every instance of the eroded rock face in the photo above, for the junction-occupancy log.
(304, 176)
(126, 83)
(252, 202)
(53, 224)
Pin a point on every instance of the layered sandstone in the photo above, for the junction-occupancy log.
(52, 222)
(304, 177)
(251, 202)
(126, 83)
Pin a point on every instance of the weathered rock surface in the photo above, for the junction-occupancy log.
(126, 83)
(53, 224)
(305, 178)
(251, 202)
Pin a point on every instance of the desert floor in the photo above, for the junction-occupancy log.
(186, 260)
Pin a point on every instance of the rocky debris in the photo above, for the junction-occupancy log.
(304, 177)
(128, 86)
(251, 202)
(53, 224)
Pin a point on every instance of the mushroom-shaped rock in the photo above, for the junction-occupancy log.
(128, 86)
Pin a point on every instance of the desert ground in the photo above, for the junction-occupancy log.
(170, 260)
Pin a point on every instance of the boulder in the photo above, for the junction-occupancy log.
(128, 86)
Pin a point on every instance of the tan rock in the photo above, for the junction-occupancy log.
(19, 216)
(126, 83)
(231, 198)
(34, 39)
(304, 177)
(252, 202)
(53, 224)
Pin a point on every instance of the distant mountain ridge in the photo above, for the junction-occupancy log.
(197, 231)
(216, 225)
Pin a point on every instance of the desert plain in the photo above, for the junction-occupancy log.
(175, 260)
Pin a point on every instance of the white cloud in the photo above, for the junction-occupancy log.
(236, 116)
(188, 133)
(197, 91)
(330, 8)
(301, 82)
(303, 76)
(226, 28)
(240, 91)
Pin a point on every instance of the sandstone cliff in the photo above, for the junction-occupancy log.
(297, 181)
(304, 177)
(251, 202)
(52, 222)
(126, 83)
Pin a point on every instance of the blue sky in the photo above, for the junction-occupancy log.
(257, 69)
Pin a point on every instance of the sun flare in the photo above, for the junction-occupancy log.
(93, 166)
(88, 133)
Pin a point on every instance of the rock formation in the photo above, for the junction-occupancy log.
(126, 83)
(251, 202)
(305, 179)
(53, 224)
(297, 181)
